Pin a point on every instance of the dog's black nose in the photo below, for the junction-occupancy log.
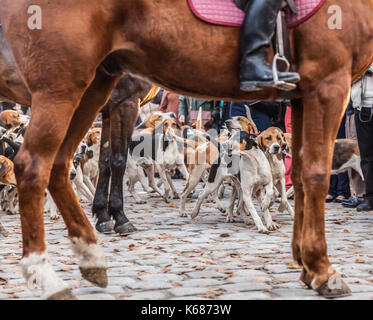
(276, 148)
(72, 175)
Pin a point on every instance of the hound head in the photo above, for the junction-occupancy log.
(241, 123)
(242, 140)
(156, 118)
(10, 119)
(272, 141)
(93, 137)
(170, 123)
(7, 175)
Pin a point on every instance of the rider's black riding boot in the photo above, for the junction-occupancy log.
(257, 33)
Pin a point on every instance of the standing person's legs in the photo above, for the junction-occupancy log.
(343, 187)
(356, 183)
(288, 160)
(364, 133)
(261, 120)
(332, 193)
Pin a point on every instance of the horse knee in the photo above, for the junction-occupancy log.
(60, 174)
(316, 181)
(29, 172)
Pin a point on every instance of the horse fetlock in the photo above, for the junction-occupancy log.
(39, 274)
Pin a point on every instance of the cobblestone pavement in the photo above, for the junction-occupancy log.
(176, 258)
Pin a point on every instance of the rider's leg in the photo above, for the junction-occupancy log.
(257, 33)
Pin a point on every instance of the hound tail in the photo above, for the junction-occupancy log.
(199, 124)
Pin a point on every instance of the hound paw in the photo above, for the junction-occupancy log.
(229, 219)
(183, 214)
(273, 226)
(54, 216)
(263, 230)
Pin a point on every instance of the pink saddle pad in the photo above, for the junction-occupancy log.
(225, 12)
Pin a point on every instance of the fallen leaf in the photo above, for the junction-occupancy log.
(292, 265)
(258, 280)
(280, 280)
(360, 260)
(346, 231)
(224, 235)
(66, 269)
(131, 246)
(176, 284)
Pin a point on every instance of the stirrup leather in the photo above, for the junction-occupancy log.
(280, 56)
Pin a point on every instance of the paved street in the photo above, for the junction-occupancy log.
(176, 258)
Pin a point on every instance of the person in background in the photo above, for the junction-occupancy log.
(339, 189)
(288, 160)
(188, 112)
(362, 96)
(356, 183)
(7, 105)
(170, 103)
(263, 113)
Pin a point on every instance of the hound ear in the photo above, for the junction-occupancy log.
(89, 139)
(178, 126)
(260, 143)
(253, 128)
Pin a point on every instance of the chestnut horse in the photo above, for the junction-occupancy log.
(75, 60)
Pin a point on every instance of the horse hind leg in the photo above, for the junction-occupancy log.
(92, 262)
(100, 200)
(122, 121)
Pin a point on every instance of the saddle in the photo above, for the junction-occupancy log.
(244, 5)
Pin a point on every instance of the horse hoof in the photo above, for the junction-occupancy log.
(125, 229)
(105, 227)
(66, 294)
(97, 276)
(335, 287)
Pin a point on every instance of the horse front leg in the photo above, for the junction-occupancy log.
(122, 119)
(100, 201)
(92, 262)
(322, 113)
(33, 164)
(296, 177)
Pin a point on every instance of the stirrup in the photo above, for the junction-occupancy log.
(281, 85)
